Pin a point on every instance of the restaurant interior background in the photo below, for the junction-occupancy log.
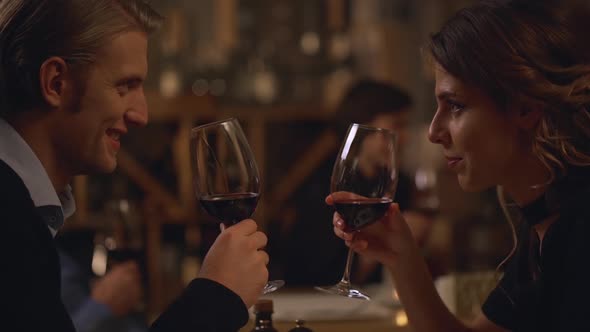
(280, 67)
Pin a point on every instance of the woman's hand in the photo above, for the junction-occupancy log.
(385, 240)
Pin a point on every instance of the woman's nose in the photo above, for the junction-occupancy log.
(437, 132)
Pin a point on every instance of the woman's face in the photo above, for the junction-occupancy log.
(481, 142)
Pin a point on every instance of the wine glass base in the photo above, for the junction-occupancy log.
(272, 286)
(344, 290)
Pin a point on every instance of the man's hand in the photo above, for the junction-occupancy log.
(237, 261)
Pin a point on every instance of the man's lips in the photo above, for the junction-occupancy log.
(114, 135)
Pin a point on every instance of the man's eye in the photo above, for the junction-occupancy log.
(122, 89)
(126, 86)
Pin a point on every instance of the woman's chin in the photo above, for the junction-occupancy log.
(469, 185)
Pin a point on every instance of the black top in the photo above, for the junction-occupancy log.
(547, 289)
(30, 284)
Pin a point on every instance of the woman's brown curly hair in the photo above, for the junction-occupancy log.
(529, 55)
(533, 54)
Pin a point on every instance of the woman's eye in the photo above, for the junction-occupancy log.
(455, 107)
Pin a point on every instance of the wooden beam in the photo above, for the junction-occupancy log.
(162, 109)
(80, 186)
(181, 151)
(150, 185)
(153, 250)
(256, 130)
(323, 147)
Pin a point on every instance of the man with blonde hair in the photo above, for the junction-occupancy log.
(71, 74)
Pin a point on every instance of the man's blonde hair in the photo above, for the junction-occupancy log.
(31, 31)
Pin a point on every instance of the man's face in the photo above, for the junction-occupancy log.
(396, 121)
(111, 101)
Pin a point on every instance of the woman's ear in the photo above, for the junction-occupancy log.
(528, 117)
(53, 79)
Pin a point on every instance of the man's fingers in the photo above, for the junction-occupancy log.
(259, 240)
(263, 256)
(245, 227)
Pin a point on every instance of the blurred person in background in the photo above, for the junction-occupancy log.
(71, 84)
(108, 302)
(312, 254)
(513, 93)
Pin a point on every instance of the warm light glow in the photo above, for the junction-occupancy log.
(265, 87)
(401, 319)
(124, 206)
(170, 83)
(99, 260)
(110, 243)
(425, 179)
(310, 43)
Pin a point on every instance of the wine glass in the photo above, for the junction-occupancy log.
(226, 179)
(363, 184)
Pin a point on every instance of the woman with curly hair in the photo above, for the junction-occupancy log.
(513, 94)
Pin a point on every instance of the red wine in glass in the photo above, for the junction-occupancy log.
(358, 213)
(226, 178)
(230, 208)
(362, 187)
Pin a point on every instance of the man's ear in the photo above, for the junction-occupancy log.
(53, 80)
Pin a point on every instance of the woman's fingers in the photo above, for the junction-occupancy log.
(337, 220)
(342, 234)
(342, 195)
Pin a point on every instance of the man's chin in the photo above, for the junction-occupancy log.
(105, 167)
(111, 167)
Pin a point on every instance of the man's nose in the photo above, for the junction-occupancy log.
(138, 113)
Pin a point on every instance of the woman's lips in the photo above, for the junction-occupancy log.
(453, 161)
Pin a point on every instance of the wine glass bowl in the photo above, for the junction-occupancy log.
(230, 208)
(360, 212)
(226, 178)
(362, 186)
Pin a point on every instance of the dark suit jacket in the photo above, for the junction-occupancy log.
(30, 284)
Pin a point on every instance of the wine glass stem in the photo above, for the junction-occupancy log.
(346, 276)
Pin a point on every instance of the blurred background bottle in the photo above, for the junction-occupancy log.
(263, 310)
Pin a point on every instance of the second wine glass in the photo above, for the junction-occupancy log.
(363, 184)
(226, 178)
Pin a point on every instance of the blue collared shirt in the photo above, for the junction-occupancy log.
(18, 155)
(54, 208)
